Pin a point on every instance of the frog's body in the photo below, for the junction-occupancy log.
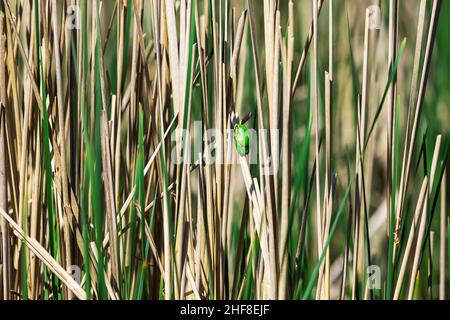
(242, 139)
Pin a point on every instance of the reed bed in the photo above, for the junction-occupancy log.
(195, 149)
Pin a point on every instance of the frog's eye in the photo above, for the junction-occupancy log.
(242, 139)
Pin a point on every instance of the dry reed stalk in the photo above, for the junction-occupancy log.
(415, 266)
(391, 113)
(315, 107)
(306, 46)
(443, 239)
(62, 142)
(25, 134)
(237, 40)
(35, 216)
(265, 181)
(6, 260)
(328, 190)
(411, 139)
(5, 239)
(288, 53)
(189, 227)
(412, 231)
(421, 234)
(109, 198)
(118, 123)
(323, 290)
(360, 139)
(180, 248)
(167, 245)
